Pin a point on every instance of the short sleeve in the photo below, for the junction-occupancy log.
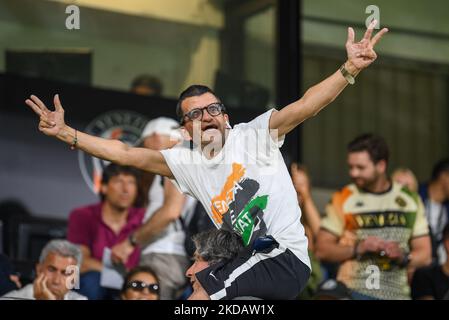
(262, 124)
(174, 159)
(333, 221)
(421, 227)
(78, 231)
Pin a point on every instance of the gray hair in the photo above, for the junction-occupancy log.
(62, 248)
(217, 245)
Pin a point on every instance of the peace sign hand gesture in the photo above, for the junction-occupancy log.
(361, 54)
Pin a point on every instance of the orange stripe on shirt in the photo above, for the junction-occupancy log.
(338, 202)
(220, 203)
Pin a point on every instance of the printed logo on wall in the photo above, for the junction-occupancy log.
(123, 125)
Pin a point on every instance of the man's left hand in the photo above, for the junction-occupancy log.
(361, 54)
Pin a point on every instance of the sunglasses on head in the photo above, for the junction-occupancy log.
(140, 285)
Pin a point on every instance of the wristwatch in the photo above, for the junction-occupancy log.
(349, 77)
(355, 254)
(405, 261)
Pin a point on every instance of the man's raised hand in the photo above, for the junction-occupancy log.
(51, 122)
(361, 54)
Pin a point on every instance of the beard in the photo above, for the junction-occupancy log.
(365, 183)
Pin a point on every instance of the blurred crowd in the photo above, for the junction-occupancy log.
(381, 237)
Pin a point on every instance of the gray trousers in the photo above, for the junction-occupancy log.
(170, 269)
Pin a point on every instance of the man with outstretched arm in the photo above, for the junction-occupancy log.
(238, 174)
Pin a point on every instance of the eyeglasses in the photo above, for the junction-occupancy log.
(140, 286)
(214, 109)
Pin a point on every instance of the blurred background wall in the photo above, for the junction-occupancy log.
(227, 45)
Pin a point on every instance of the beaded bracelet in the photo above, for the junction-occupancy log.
(75, 141)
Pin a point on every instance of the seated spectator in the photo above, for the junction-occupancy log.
(8, 280)
(311, 220)
(405, 177)
(432, 283)
(56, 274)
(147, 85)
(141, 283)
(374, 227)
(213, 248)
(104, 224)
(435, 196)
(162, 236)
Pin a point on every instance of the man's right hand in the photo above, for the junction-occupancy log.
(51, 122)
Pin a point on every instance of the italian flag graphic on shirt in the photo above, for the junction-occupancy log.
(238, 208)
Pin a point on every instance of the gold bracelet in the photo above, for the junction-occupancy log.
(348, 76)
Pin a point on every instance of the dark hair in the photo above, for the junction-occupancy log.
(440, 167)
(148, 81)
(113, 170)
(445, 233)
(136, 270)
(192, 91)
(376, 147)
(217, 245)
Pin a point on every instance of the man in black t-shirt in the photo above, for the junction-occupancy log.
(432, 283)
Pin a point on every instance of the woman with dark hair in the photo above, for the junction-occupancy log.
(141, 283)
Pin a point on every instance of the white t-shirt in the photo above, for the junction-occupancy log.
(246, 187)
(171, 240)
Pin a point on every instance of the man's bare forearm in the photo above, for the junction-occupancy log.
(359, 56)
(329, 249)
(322, 94)
(116, 151)
(334, 252)
(312, 102)
(170, 211)
(419, 258)
(311, 214)
(110, 150)
(157, 223)
(421, 252)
